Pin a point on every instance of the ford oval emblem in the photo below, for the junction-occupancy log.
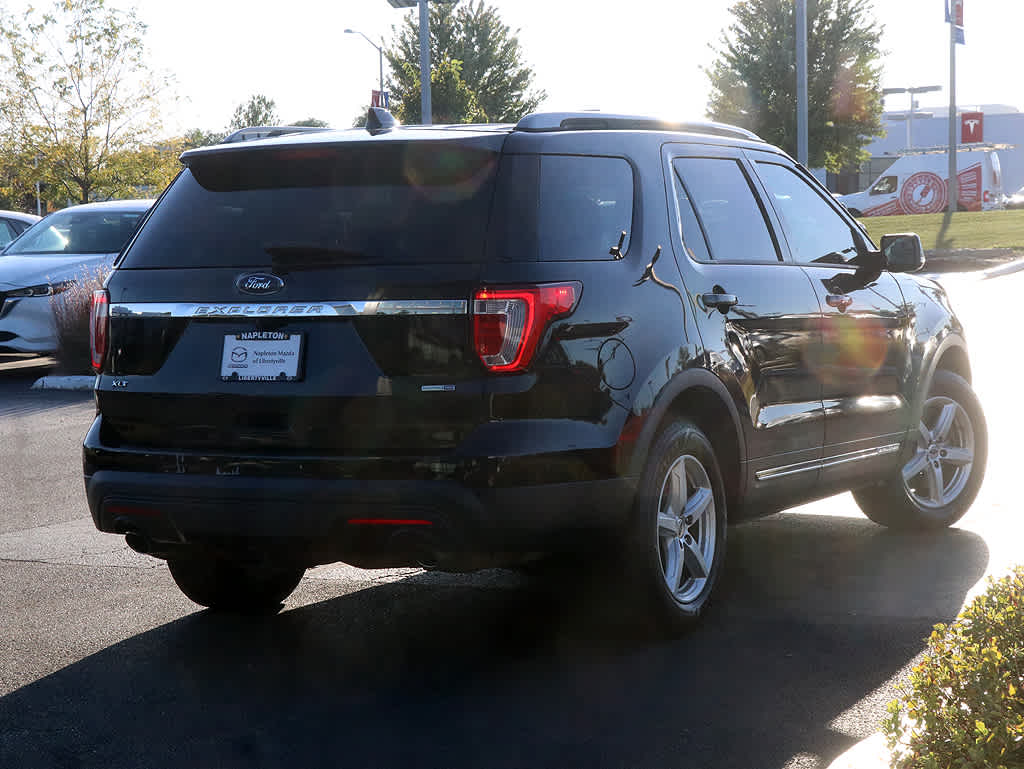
(259, 284)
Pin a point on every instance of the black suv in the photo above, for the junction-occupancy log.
(475, 346)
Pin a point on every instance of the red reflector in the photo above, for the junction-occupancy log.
(389, 522)
(489, 332)
(99, 327)
(131, 510)
(508, 324)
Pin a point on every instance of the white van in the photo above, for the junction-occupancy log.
(916, 184)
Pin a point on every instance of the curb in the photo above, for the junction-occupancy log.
(79, 383)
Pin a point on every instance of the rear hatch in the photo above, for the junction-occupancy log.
(309, 297)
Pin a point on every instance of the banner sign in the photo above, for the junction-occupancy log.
(956, 18)
(972, 127)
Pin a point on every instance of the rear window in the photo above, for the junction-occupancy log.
(561, 208)
(396, 202)
(78, 232)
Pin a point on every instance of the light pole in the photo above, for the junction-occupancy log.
(801, 82)
(425, 106)
(380, 55)
(914, 91)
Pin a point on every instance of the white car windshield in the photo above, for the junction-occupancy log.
(78, 232)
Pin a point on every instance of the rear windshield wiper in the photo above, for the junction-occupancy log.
(307, 256)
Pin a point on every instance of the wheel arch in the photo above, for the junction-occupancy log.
(954, 358)
(950, 355)
(701, 397)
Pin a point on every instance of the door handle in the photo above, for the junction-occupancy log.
(839, 301)
(720, 302)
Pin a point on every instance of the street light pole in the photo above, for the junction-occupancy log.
(913, 91)
(380, 55)
(801, 82)
(426, 109)
(425, 105)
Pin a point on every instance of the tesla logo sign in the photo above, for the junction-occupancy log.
(972, 127)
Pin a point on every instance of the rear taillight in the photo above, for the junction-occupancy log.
(99, 326)
(508, 323)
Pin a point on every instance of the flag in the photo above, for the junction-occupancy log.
(956, 18)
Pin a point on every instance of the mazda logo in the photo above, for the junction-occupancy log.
(259, 284)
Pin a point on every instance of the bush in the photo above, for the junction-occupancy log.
(963, 705)
(71, 318)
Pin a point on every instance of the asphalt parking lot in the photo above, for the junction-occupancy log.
(104, 664)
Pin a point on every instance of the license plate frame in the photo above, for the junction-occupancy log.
(263, 356)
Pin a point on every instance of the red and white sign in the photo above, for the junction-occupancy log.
(972, 127)
(923, 193)
(958, 12)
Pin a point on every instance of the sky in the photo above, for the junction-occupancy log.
(643, 56)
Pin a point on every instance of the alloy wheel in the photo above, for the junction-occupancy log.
(941, 466)
(686, 528)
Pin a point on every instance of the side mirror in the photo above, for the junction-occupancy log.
(903, 252)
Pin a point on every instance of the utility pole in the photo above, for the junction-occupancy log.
(801, 82)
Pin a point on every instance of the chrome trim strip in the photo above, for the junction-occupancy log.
(321, 309)
(820, 464)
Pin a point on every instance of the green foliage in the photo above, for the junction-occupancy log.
(451, 99)
(259, 110)
(964, 703)
(197, 137)
(490, 67)
(753, 80)
(76, 98)
(312, 122)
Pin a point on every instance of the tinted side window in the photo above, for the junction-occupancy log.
(816, 233)
(727, 207)
(7, 233)
(585, 205)
(560, 208)
(689, 228)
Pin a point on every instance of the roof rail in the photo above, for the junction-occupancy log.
(268, 132)
(540, 122)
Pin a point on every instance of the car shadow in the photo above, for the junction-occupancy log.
(815, 614)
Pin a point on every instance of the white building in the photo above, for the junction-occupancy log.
(930, 127)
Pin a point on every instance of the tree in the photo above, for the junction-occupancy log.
(452, 101)
(76, 96)
(754, 79)
(489, 60)
(197, 137)
(259, 110)
(312, 122)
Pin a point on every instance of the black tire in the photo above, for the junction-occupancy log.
(905, 505)
(228, 586)
(653, 557)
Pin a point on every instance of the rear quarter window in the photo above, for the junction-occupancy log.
(561, 208)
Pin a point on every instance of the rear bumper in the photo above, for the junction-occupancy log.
(373, 522)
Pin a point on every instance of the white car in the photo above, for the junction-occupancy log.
(13, 223)
(49, 257)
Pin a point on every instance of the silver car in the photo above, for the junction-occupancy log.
(13, 223)
(75, 243)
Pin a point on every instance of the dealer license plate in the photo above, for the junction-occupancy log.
(261, 356)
